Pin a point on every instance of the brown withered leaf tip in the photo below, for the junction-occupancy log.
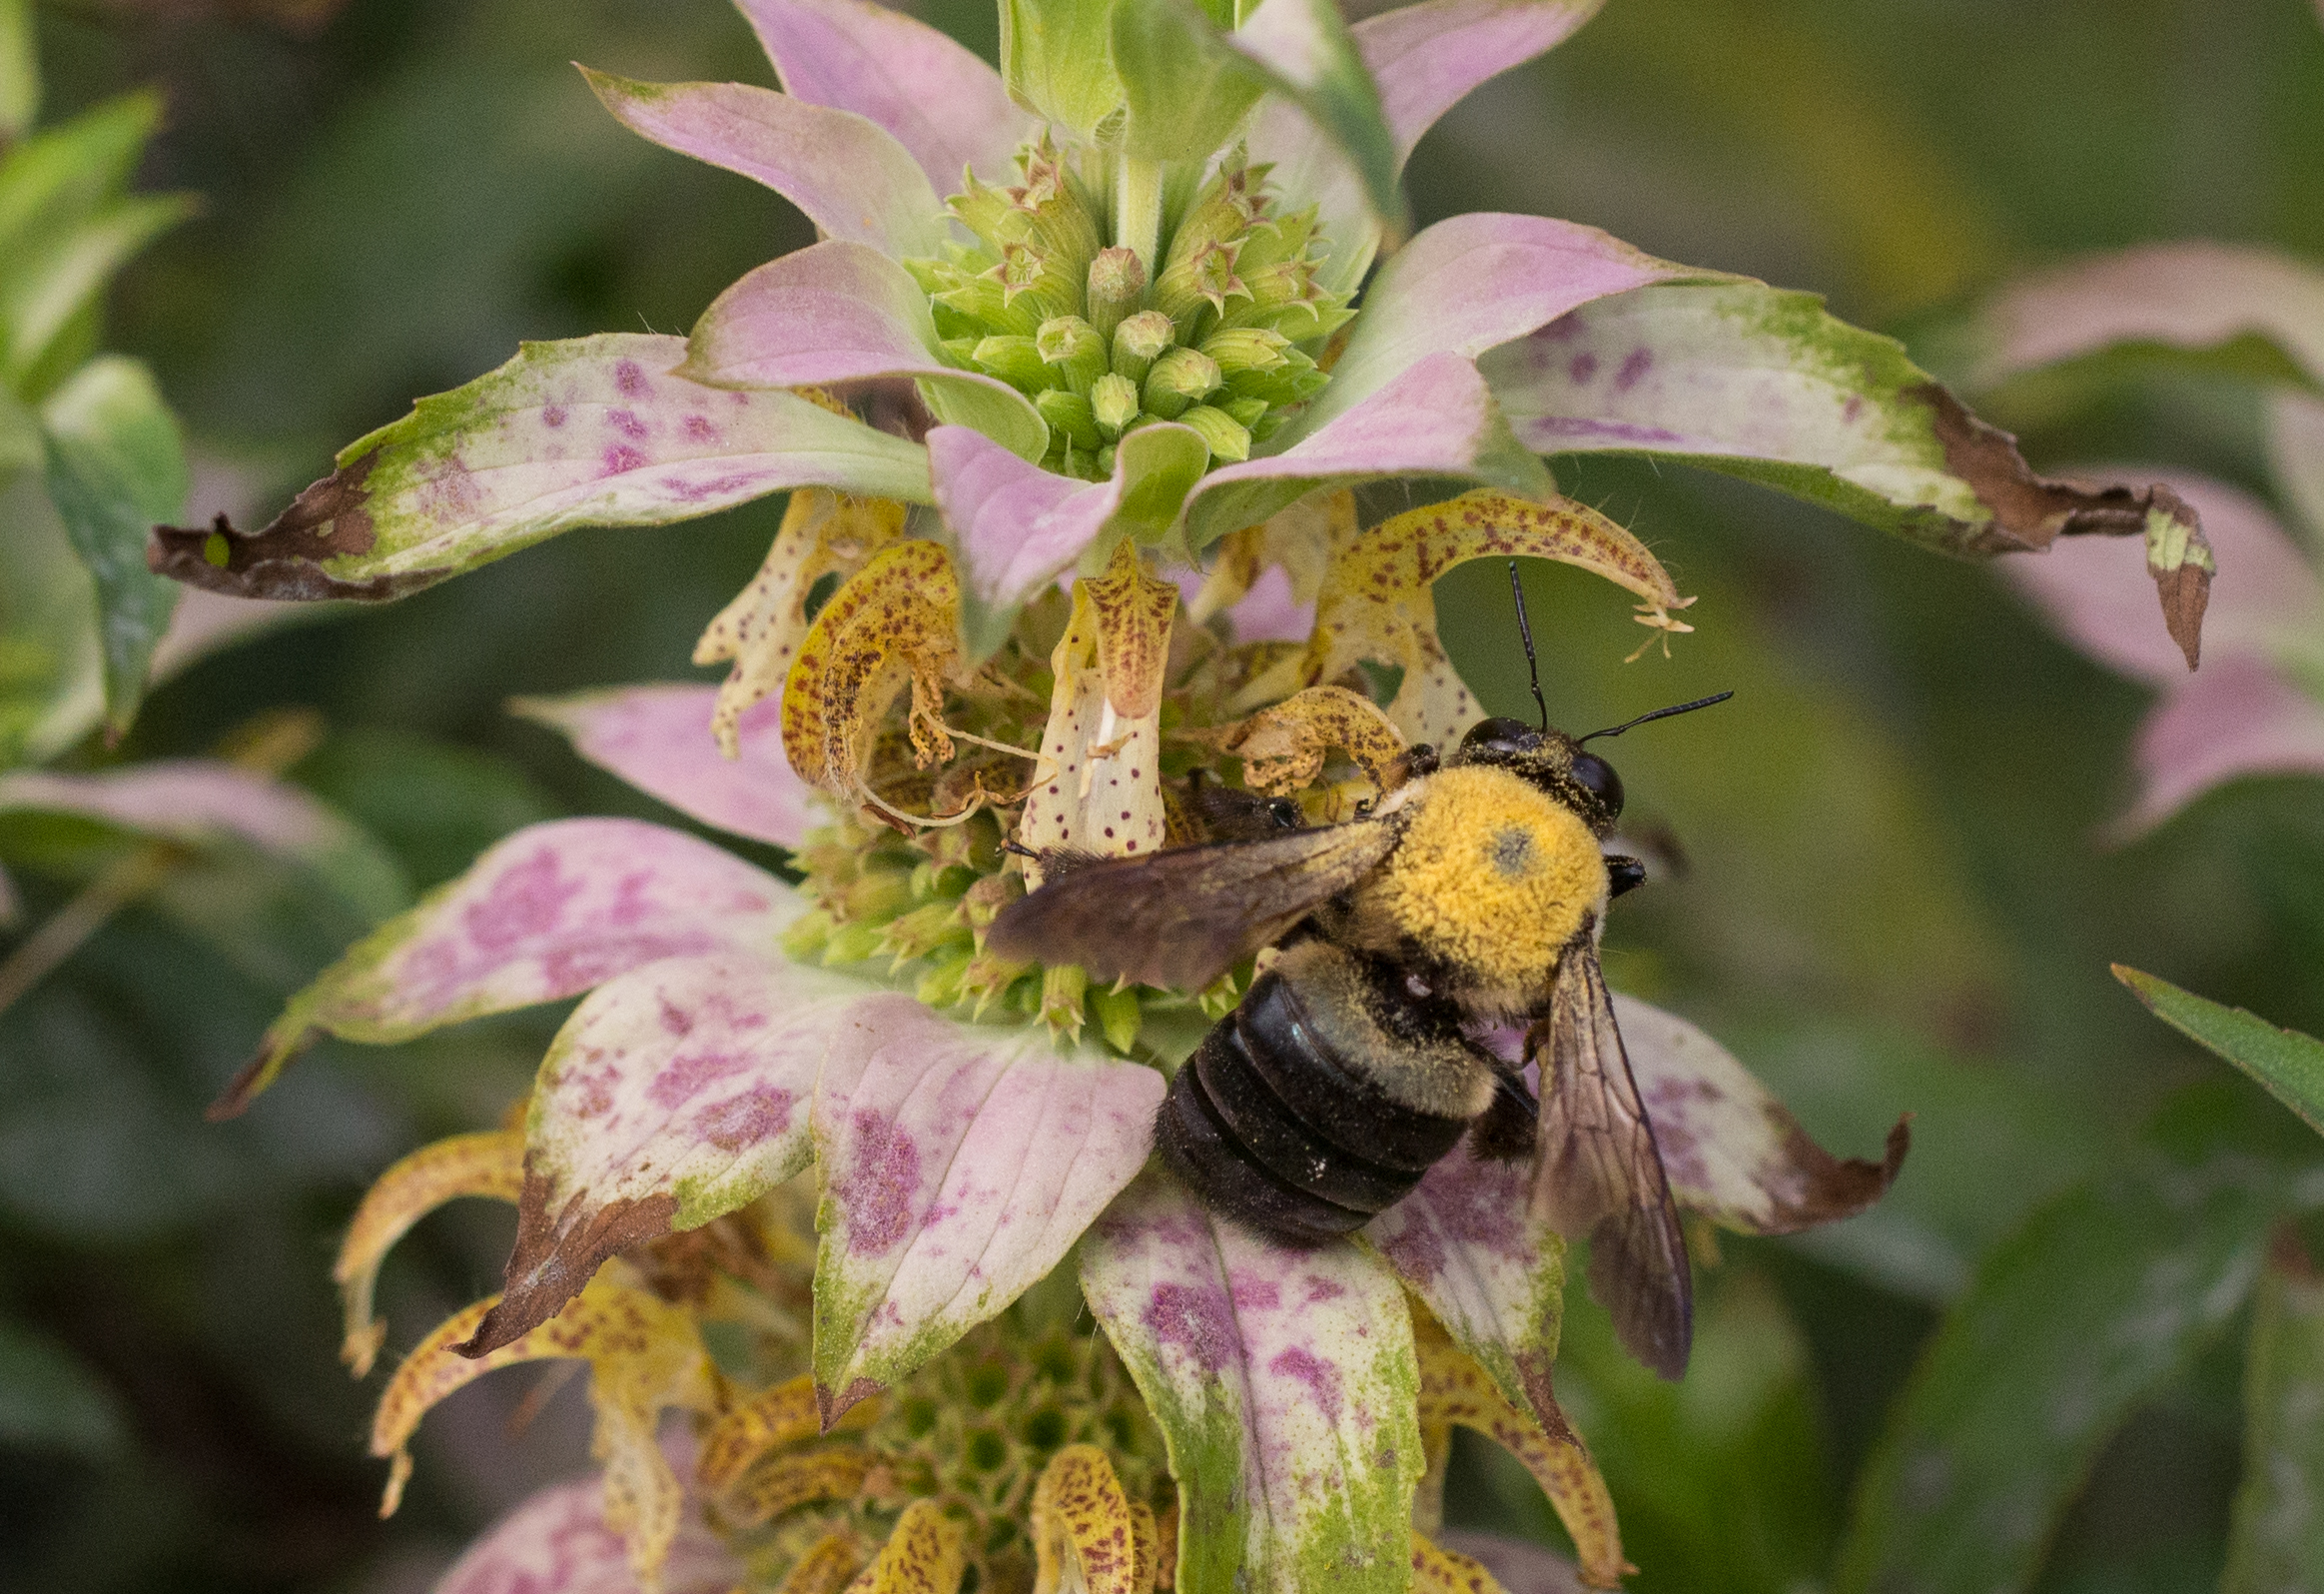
(555, 1259)
(2031, 512)
(285, 561)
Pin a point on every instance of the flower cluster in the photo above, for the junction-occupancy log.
(1074, 557)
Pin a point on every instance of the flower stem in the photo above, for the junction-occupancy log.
(1138, 206)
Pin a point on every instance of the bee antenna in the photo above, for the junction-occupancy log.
(1525, 630)
(1019, 848)
(1660, 713)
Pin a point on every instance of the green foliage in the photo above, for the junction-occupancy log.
(2288, 1063)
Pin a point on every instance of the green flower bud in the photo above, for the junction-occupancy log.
(1140, 341)
(1296, 381)
(1106, 457)
(1074, 348)
(1205, 281)
(1241, 350)
(1113, 401)
(1117, 1013)
(1029, 276)
(1069, 415)
(1117, 285)
(941, 985)
(1245, 413)
(983, 301)
(1179, 379)
(1282, 238)
(1225, 209)
(1229, 439)
(1016, 361)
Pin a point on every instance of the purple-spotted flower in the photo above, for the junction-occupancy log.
(1073, 402)
(2257, 706)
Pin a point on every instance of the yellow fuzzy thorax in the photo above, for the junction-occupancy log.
(1493, 877)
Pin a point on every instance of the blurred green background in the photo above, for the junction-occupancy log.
(1895, 901)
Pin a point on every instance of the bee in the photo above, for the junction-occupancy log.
(1471, 894)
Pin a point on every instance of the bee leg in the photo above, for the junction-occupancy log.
(1627, 874)
(1506, 1131)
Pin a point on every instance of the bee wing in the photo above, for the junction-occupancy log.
(1600, 1171)
(1185, 916)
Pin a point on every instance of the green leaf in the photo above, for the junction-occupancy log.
(51, 680)
(2289, 1065)
(116, 468)
(1185, 87)
(50, 1400)
(50, 183)
(19, 70)
(1057, 58)
(2099, 1302)
(39, 300)
(2276, 1541)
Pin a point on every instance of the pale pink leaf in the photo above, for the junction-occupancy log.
(1427, 57)
(938, 100)
(2295, 454)
(1472, 283)
(676, 1093)
(545, 914)
(2097, 592)
(658, 739)
(2192, 296)
(842, 313)
(1465, 1241)
(557, 1542)
(1283, 1383)
(1518, 1565)
(1436, 417)
(205, 804)
(2234, 718)
(957, 1166)
(1272, 611)
(1732, 1151)
(850, 178)
(1015, 527)
(588, 431)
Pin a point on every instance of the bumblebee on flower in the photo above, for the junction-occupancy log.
(1076, 589)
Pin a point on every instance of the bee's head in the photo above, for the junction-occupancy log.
(1551, 761)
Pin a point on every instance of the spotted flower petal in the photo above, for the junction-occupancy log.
(1284, 1384)
(958, 1164)
(1097, 787)
(675, 1093)
(1016, 525)
(823, 534)
(850, 178)
(645, 1356)
(547, 913)
(937, 99)
(1375, 602)
(659, 739)
(557, 1542)
(1764, 384)
(490, 1165)
(589, 432)
(843, 313)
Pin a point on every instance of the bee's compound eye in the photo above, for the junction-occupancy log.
(1595, 776)
(1285, 813)
(1501, 736)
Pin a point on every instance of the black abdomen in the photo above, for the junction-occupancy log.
(1269, 1124)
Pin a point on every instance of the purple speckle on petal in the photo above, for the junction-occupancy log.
(687, 1077)
(1584, 366)
(1851, 409)
(626, 423)
(1637, 366)
(698, 429)
(1199, 1322)
(629, 378)
(878, 1183)
(621, 460)
(1320, 1376)
(527, 901)
(751, 1119)
(553, 417)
